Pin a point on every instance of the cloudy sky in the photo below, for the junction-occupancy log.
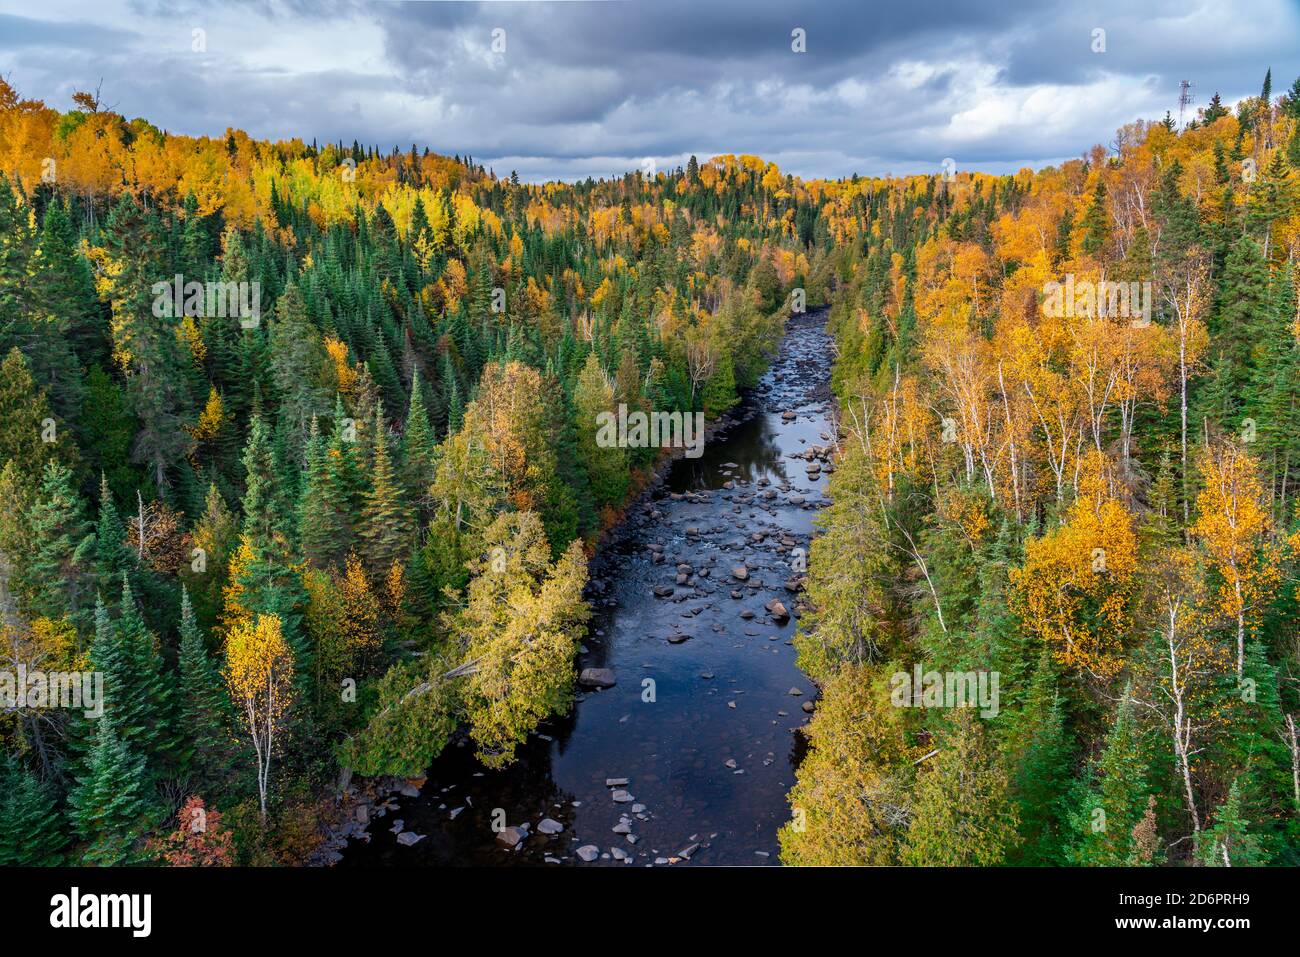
(570, 89)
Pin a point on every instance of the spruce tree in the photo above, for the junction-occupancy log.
(202, 702)
(1113, 797)
(112, 557)
(108, 806)
(386, 528)
(30, 832)
(418, 454)
(63, 544)
(1096, 222)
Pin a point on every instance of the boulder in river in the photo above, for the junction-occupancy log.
(740, 573)
(597, 678)
(589, 852)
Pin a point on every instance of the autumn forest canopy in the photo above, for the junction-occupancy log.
(298, 452)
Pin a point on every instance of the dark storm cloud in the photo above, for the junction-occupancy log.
(594, 88)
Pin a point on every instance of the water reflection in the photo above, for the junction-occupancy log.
(700, 726)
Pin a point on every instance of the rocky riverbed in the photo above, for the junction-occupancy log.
(682, 745)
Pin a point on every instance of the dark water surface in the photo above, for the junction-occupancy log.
(720, 697)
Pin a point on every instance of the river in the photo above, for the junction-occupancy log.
(709, 746)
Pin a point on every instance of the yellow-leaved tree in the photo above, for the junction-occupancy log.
(520, 627)
(1075, 589)
(259, 674)
(1234, 526)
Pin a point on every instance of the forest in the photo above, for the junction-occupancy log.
(1091, 500)
(298, 452)
(334, 529)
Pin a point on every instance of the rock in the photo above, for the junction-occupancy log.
(740, 573)
(793, 585)
(677, 638)
(408, 838)
(796, 499)
(663, 591)
(621, 796)
(588, 852)
(622, 828)
(549, 826)
(746, 614)
(730, 762)
(618, 853)
(686, 852)
(808, 707)
(777, 610)
(794, 691)
(597, 678)
(788, 416)
(509, 836)
(615, 782)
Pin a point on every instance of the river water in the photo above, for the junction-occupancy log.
(708, 745)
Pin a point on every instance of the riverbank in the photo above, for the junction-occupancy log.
(689, 755)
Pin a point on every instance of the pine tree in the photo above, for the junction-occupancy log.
(595, 425)
(1096, 222)
(961, 815)
(107, 806)
(30, 832)
(1243, 300)
(202, 702)
(25, 419)
(316, 533)
(417, 449)
(134, 254)
(113, 558)
(1230, 842)
(385, 530)
(63, 544)
(1043, 766)
(1112, 800)
(153, 733)
(261, 518)
(1214, 110)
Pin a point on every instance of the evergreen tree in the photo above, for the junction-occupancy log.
(1230, 842)
(961, 815)
(107, 806)
(1111, 801)
(30, 832)
(202, 702)
(1096, 222)
(58, 571)
(385, 530)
